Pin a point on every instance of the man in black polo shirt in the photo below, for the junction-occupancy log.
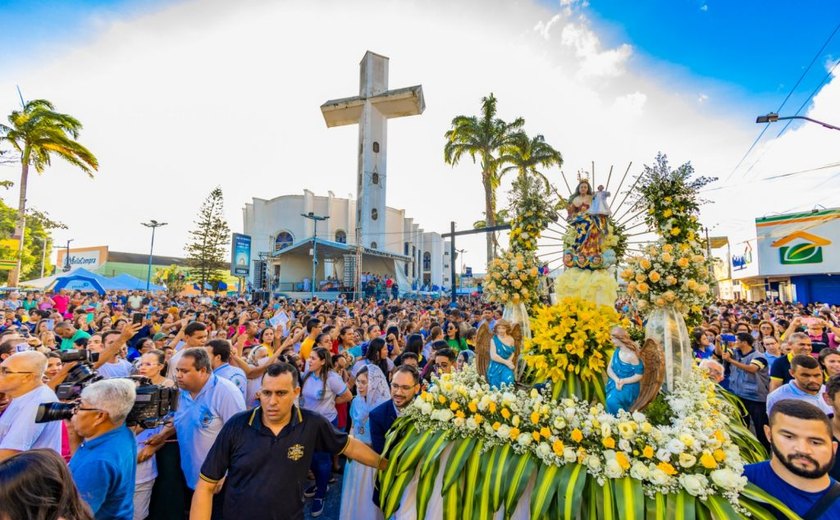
(266, 453)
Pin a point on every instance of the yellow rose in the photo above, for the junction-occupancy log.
(667, 213)
(669, 296)
(557, 447)
(667, 248)
(627, 275)
(640, 277)
(667, 468)
(536, 436)
(683, 262)
(671, 279)
(577, 435)
(622, 460)
(514, 433)
(708, 461)
(496, 426)
(460, 414)
(442, 399)
(454, 406)
(608, 443)
(719, 455)
(675, 231)
(647, 452)
(667, 257)
(545, 432)
(473, 407)
(654, 276)
(491, 407)
(643, 288)
(535, 417)
(660, 302)
(644, 263)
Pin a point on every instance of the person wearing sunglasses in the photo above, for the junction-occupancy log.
(21, 379)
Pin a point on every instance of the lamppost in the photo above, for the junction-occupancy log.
(461, 256)
(43, 255)
(772, 117)
(315, 219)
(154, 224)
(67, 256)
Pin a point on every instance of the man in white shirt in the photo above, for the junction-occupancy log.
(21, 379)
(806, 385)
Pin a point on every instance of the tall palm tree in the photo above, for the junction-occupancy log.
(482, 137)
(525, 155)
(37, 133)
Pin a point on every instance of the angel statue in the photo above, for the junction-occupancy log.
(635, 374)
(497, 353)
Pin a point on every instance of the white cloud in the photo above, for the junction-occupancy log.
(631, 104)
(211, 92)
(702, 98)
(704, 7)
(544, 29)
(594, 62)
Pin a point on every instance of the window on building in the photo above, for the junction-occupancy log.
(375, 147)
(405, 248)
(341, 237)
(373, 245)
(284, 239)
(405, 269)
(374, 178)
(374, 214)
(427, 261)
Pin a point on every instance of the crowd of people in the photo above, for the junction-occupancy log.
(280, 399)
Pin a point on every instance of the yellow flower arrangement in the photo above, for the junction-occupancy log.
(513, 278)
(567, 345)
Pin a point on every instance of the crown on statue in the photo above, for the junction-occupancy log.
(582, 176)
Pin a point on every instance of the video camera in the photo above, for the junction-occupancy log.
(80, 375)
(152, 405)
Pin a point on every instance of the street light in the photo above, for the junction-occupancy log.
(315, 219)
(67, 256)
(154, 224)
(772, 117)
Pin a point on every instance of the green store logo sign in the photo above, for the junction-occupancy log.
(809, 251)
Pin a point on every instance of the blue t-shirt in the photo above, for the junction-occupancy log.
(104, 470)
(763, 476)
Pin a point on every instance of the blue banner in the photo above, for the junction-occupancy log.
(240, 259)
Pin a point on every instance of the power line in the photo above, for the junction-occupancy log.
(775, 177)
(792, 90)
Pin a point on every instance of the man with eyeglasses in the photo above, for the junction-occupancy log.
(405, 383)
(21, 380)
(104, 464)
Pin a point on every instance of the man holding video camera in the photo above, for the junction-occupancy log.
(21, 380)
(103, 465)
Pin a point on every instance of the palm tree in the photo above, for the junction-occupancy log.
(524, 155)
(37, 133)
(482, 137)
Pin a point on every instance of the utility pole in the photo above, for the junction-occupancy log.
(154, 224)
(451, 236)
(315, 219)
(43, 256)
(461, 256)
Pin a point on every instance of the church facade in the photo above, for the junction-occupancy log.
(283, 238)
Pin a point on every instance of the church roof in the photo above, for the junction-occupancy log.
(335, 248)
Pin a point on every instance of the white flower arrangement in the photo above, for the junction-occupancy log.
(693, 453)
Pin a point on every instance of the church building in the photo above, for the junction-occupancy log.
(415, 259)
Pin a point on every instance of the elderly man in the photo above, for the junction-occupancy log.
(21, 380)
(104, 464)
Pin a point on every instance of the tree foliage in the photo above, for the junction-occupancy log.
(209, 242)
(173, 277)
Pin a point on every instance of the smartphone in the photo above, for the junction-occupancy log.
(137, 317)
(50, 324)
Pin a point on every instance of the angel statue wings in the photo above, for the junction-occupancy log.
(497, 352)
(635, 374)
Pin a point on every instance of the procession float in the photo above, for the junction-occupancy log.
(564, 415)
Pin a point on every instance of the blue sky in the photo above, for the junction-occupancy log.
(760, 46)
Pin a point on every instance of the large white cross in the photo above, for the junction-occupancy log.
(371, 109)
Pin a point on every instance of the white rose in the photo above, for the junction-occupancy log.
(488, 429)
(663, 454)
(675, 446)
(728, 479)
(446, 415)
(695, 485)
(543, 450)
(471, 424)
(639, 417)
(503, 432)
(559, 423)
(569, 455)
(424, 406)
(515, 421)
(687, 460)
(458, 422)
(569, 413)
(606, 431)
(524, 439)
(594, 462)
(612, 469)
(658, 477)
(639, 470)
(624, 445)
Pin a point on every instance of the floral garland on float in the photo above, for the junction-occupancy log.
(671, 281)
(512, 453)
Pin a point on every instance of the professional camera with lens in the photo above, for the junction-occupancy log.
(80, 375)
(152, 406)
